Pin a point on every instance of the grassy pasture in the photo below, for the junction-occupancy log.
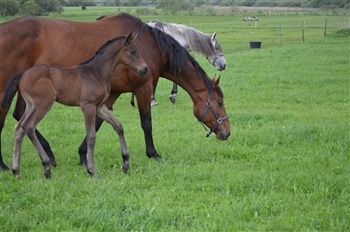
(285, 166)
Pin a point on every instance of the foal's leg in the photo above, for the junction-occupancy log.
(89, 112)
(17, 114)
(98, 122)
(106, 115)
(173, 93)
(29, 123)
(19, 134)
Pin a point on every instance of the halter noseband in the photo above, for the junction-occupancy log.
(219, 120)
(215, 58)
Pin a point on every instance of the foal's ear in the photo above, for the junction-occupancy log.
(213, 36)
(131, 37)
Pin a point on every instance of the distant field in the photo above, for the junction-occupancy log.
(284, 168)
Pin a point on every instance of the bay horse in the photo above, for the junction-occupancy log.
(66, 43)
(194, 41)
(86, 85)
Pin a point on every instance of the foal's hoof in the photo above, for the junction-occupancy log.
(93, 174)
(125, 168)
(172, 98)
(47, 175)
(53, 162)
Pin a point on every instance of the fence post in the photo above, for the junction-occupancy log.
(302, 31)
(280, 37)
(325, 27)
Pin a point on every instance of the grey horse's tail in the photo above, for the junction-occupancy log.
(10, 91)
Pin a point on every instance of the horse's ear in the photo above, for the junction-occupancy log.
(213, 36)
(216, 81)
(131, 37)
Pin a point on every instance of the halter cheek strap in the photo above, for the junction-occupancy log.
(219, 120)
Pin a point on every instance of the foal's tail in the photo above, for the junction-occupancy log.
(10, 91)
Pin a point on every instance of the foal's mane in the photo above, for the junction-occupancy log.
(102, 49)
(196, 40)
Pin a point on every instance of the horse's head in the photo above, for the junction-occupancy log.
(217, 58)
(130, 56)
(211, 111)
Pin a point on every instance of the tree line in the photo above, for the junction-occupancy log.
(44, 7)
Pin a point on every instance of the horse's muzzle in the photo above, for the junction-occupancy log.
(221, 67)
(143, 71)
(223, 136)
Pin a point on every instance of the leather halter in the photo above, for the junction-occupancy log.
(219, 120)
(215, 58)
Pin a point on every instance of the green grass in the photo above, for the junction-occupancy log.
(284, 168)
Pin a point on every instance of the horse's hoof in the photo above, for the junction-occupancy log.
(154, 156)
(15, 174)
(82, 163)
(154, 103)
(3, 167)
(172, 98)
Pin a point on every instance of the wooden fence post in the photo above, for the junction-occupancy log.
(302, 31)
(325, 27)
(280, 37)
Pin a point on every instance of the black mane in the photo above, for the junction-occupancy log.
(179, 57)
(102, 49)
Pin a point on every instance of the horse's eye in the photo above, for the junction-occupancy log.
(221, 103)
(133, 52)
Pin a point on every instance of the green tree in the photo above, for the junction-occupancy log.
(9, 7)
(41, 7)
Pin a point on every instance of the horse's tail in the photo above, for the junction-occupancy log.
(10, 91)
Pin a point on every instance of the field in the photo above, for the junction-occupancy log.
(285, 166)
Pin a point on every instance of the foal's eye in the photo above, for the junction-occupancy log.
(133, 52)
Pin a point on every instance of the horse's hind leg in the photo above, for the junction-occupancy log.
(173, 93)
(106, 115)
(17, 114)
(2, 122)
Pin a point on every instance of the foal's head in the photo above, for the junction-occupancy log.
(129, 55)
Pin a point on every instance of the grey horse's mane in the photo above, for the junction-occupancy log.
(196, 41)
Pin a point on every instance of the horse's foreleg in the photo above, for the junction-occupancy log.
(89, 112)
(173, 93)
(132, 100)
(146, 122)
(98, 122)
(153, 96)
(17, 114)
(2, 123)
(107, 116)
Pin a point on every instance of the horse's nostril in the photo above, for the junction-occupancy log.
(143, 71)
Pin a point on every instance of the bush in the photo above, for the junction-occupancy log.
(9, 7)
(41, 7)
